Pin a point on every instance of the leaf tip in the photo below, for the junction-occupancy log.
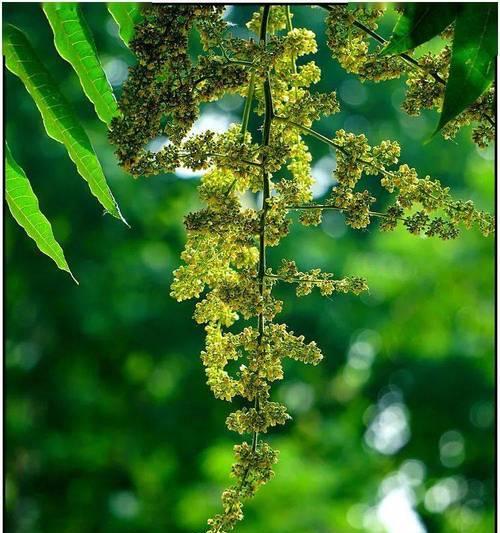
(73, 277)
(122, 218)
(116, 213)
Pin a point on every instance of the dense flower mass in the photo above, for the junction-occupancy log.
(224, 260)
(354, 43)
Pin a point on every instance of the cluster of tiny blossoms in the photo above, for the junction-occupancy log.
(351, 38)
(224, 259)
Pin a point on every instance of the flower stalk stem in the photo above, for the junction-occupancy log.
(248, 105)
(266, 193)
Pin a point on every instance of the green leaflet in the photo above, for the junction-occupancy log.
(74, 42)
(58, 117)
(126, 15)
(23, 205)
(472, 66)
(419, 23)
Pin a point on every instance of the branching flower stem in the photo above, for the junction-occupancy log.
(266, 193)
(334, 208)
(313, 133)
(333, 144)
(224, 260)
(226, 156)
(248, 104)
(406, 57)
(245, 161)
(374, 35)
(298, 280)
(261, 274)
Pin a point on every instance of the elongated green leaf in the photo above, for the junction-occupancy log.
(472, 64)
(126, 15)
(58, 117)
(74, 42)
(419, 23)
(23, 205)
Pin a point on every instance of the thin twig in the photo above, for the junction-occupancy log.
(246, 161)
(313, 133)
(223, 156)
(234, 61)
(300, 280)
(339, 147)
(328, 141)
(406, 57)
(340, 209)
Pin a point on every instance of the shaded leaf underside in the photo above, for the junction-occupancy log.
(418, 24)
(472, 64)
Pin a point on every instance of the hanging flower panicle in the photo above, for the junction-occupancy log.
(224, 259)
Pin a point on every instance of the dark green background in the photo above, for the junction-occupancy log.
(109, 424)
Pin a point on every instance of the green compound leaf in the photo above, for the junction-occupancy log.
(472, 66)
(126, 15)
(23, 204)
(418, 24)
(58, 117)
(74, 42)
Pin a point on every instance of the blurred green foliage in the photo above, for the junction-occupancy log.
(109, 424)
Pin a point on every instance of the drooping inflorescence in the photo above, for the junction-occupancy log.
(224, 260)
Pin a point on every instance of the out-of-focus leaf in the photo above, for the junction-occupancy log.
(126, 15)
(418, 24)
(23, 205)
(74, 42)
(59, 120)
(472, 66)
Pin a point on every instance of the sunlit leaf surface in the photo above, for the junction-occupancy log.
(59, 120)
(75, 43)
(23, 205)
(126, 14)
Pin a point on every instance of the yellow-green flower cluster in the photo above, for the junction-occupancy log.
(356, 158)
(224, 259)
(307, 281)
(350, 44)
(433, 197)
(348, 34)
(276, 22)
(254, 468)
(165, 88)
